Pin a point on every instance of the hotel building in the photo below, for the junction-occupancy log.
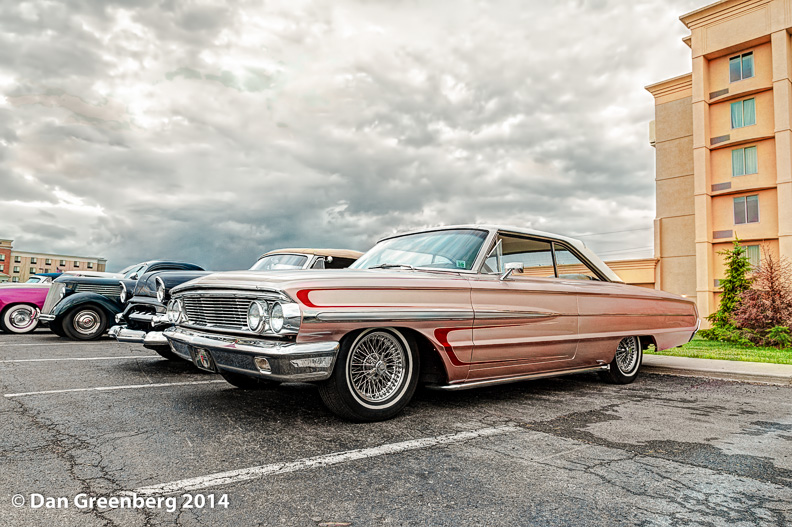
(18, 266)
(723, 144)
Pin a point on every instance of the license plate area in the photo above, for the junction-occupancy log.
(203, 359)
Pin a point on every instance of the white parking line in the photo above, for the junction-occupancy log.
(84, 358)
(108, 388)
(246, 474)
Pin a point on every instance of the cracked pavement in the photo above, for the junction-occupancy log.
(663, 451)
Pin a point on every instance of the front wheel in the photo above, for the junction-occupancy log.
(374, 377)
(85, 323)
(625, 365)
(19, 319)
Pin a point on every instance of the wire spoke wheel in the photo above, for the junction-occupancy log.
(377, 366)
(627, 355)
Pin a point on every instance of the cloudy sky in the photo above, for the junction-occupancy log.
(212, 131)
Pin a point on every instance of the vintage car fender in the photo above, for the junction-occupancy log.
(110, 307)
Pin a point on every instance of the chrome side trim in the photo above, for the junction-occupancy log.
(489, 315)
(385, 316)
(507, 380)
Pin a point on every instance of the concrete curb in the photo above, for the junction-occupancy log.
(777, 374)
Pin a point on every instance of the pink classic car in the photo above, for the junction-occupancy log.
(20, 305)
(452, 307)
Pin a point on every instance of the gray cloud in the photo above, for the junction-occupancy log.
(213, 132)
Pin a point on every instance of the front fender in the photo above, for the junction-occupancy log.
(110, 307)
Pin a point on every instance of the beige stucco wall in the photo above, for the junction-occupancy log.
(718, 32)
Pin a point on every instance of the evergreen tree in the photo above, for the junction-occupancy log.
(736, 282)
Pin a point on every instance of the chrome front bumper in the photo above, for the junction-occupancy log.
(148, 339)
(288, 361)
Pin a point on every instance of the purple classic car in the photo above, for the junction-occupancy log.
(20, 305)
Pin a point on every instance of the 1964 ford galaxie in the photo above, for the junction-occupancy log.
(454, 307)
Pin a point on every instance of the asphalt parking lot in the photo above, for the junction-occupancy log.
(567, 451)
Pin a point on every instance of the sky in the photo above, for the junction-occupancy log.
(213, 131)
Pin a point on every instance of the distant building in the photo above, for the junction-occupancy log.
(20, 265)
(723, 140)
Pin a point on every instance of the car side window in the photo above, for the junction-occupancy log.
(570, 267)
(535, 255)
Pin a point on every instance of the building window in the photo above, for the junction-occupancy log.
(746, 209)
(48, 261)
(33, 260)
(741, 67)
(63, 262)
(752, 253)
(90, 265)
(17, 259)
(16, 268)
(15, 279)
(743, 113)
(2, 268)
(2, 257)
(744, 161)
(76, 264)
(33, 270)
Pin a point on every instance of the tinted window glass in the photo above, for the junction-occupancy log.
(571, 267)
(275, 262)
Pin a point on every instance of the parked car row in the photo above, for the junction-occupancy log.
(450, 307)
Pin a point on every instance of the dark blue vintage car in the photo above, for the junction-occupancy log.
(82, 307)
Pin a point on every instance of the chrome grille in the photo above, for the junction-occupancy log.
(53, 297)
(101, 289)
(226, 312)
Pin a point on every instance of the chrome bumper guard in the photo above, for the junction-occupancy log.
(46, 318)
(150, 339)
(287, 361)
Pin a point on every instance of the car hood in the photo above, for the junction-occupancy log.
(283, 280)
(17, 285)
(72, 279)
(147, 285)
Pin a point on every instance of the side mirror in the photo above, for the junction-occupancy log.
(329, 259)
(512, 267)
(134, 276)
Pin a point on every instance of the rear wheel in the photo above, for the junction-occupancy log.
(374, 377)
(85, 323)
(625, 365)
(19, 318)
(246, 382)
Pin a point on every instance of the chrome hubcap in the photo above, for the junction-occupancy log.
(377, 367)
(627, 355)
(22, 317)
(86, 322)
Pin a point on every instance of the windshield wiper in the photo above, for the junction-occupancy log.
(392, 266)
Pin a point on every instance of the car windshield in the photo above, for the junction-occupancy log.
(451, 249)
(132, 269)
(35, 279)
(274, 262)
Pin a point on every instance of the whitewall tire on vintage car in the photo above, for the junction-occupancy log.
(85, 323)
(626, 363)
(19, 318)
(374, 377)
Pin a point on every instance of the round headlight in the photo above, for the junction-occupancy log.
(276, 318)
(174, 311)
(160, 291)
(123, 295)
(256, 316)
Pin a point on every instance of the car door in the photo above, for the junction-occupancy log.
(527, 321)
